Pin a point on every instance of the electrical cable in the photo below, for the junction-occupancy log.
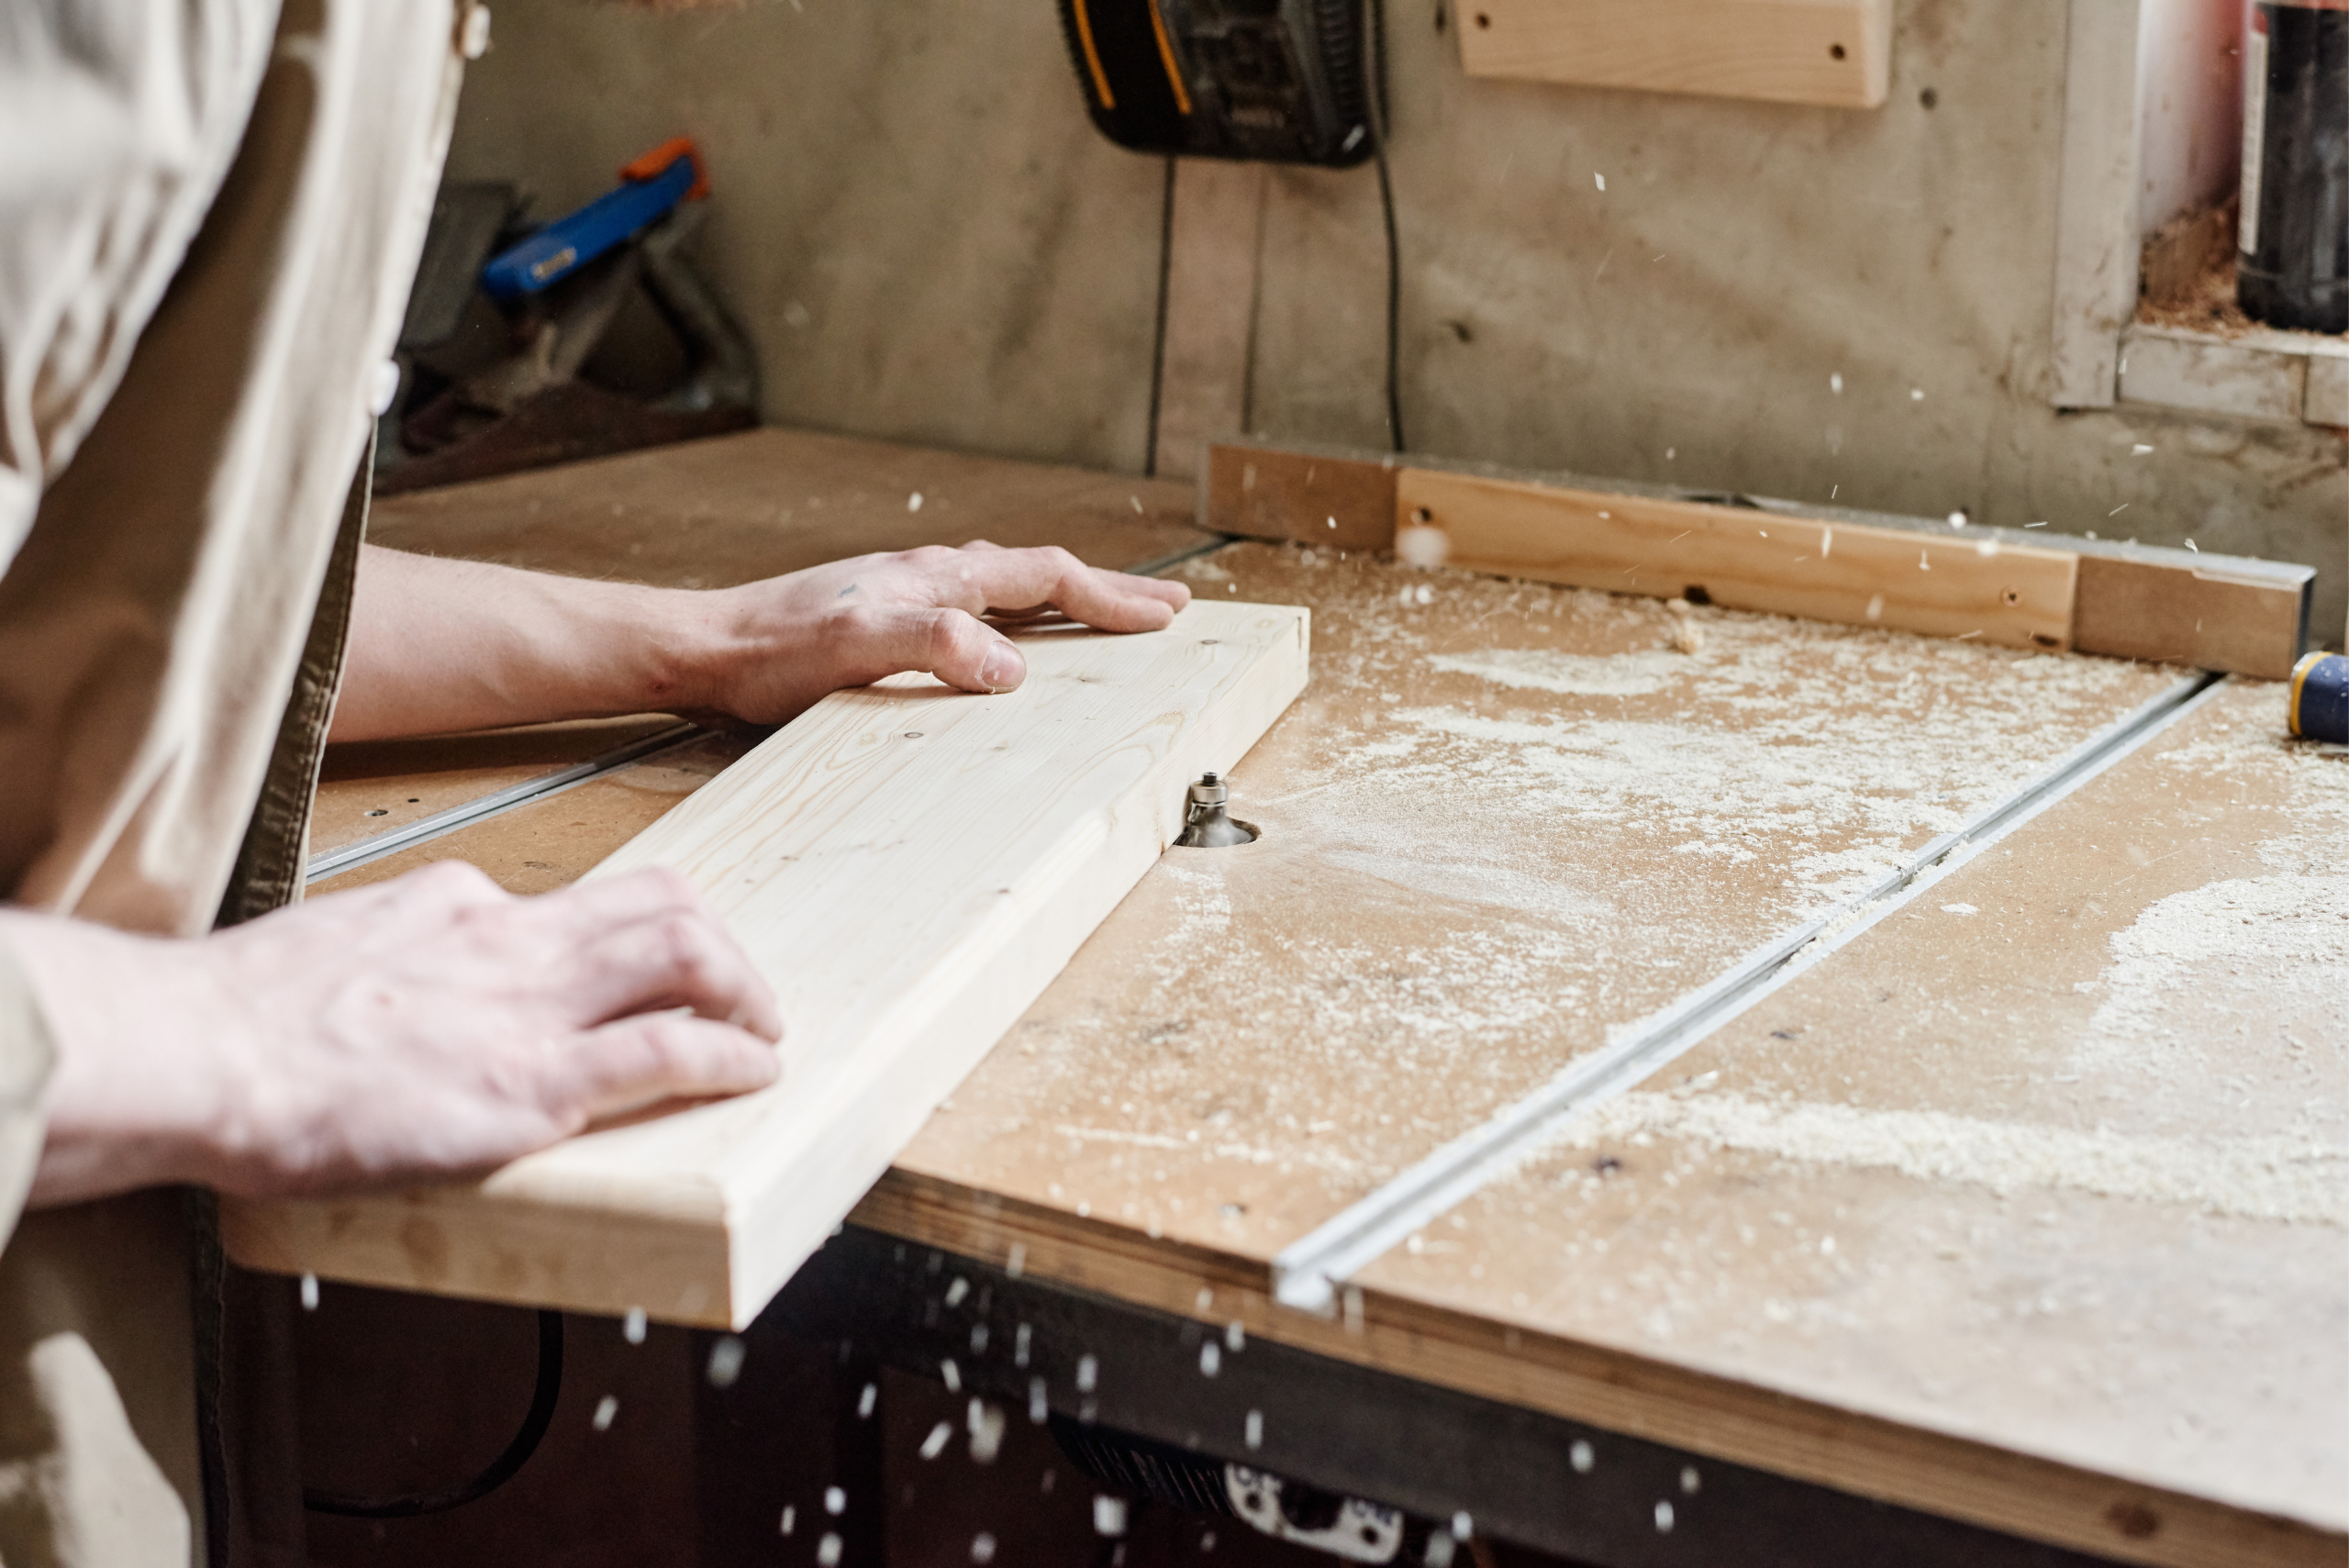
(1375, 62)
(1158, 343)
(501, 1468)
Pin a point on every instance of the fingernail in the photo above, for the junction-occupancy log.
(1003, 669)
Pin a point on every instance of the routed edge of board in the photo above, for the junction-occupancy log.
(1833, 54)
(2232, 614)
(704, 1232)
(1954, 1476)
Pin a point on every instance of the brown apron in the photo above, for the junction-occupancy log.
(197, 282)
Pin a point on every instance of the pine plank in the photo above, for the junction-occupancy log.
(1833, 52)
(910, 867)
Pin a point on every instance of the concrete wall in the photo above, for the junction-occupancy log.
(929, 243)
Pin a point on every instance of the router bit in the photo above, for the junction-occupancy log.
(1208, 825)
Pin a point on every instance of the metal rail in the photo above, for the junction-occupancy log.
(394, 839)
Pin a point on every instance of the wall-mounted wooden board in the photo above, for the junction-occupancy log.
(1744, 558)
(910, 867)
(1835, 52)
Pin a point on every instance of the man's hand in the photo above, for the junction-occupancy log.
(439, 646)
(423, 1025)
(790, 641)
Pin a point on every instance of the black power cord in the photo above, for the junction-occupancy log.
(501, 1468)
(1373, 13)
(1158, 343)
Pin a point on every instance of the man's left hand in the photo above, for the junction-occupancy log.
(787, 641)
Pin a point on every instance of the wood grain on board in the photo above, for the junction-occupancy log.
(2050, 1170)
(908, 866)
(1835, 52)
(1743, 558)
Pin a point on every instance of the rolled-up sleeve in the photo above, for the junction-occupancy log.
(26, 1053)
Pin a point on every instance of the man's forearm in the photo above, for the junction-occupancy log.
(439, 646)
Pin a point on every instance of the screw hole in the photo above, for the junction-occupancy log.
(1483, 21)
(2011, 596)
(1835, 51)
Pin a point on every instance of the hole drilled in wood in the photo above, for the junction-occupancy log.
(1695, 594)
(2012, 597)
(1835, 51)
(1483, 21)
(1421, 515)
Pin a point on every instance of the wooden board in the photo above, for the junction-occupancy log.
(2039, 1185)
(1948, 585)
(2131, 601)
(1835, 52)
(908, 867)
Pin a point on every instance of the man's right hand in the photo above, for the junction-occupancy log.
(424, 1026)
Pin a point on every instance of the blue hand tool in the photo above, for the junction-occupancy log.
(651, 187)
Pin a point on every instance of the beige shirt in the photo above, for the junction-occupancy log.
(210, 212)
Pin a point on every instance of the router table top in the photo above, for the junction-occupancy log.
(2026, 1207)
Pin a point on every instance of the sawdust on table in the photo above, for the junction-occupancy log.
(2282, 1176)
(1504, 822)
